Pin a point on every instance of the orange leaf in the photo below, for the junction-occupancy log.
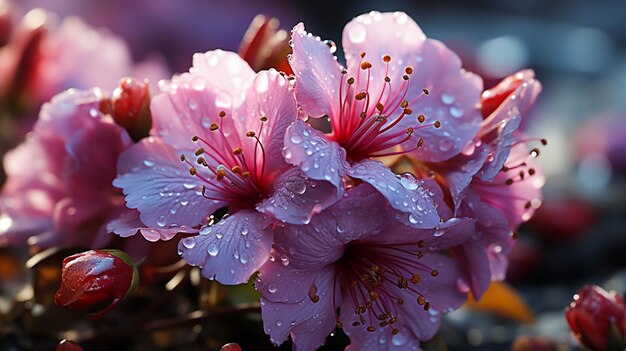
(503, 300)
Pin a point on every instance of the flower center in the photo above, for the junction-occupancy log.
(228, 175)
(366, 121)
(373, 278)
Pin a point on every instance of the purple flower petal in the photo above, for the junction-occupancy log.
(319, 158)
(128, 224)
(317, 74)
(501, 147)
(231, 250)
(158, 184)
(296, 198)
(308, 323)
(270, 96)
(404, 193)
(270, 281)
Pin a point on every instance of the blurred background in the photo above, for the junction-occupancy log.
(578, 51)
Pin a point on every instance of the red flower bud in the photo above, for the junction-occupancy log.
(598, 318)
(265, 45)
(533, 343)
(491, 99)
(131, 107)
(67, 345)
(96, 279)
(231, 347)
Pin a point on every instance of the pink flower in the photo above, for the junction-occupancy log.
(387, 279)
(493, 180)
(220, 134)
(399, 90)
(59, 190)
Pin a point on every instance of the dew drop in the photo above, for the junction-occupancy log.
(189, 243)
(243, 258)
(272, 288)
(299, 188)
(192, 104)
(284, 260)
(357, 33)
(148, 163)
(399, 339)
(401, 17)
(279, 323)
(341, 228)
(213, 60)
(456, 112)
(244, 231)
(413, 219)
(408, 184)
(295, 138)
(206, 123)
(287, 153)
(331, 46)
(447, 98)
(446, 144)
(223, 100)
(213, 249)
(161, 221)
(261, 83)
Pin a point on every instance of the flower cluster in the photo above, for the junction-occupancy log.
(370, 197)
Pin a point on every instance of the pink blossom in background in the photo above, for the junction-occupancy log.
(218, 135)
(59, 188)
(69, 54)
(387, 279)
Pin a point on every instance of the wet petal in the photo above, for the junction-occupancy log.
(159, 185)
(404, 193)
(296, 198)
(307, 322)
(319, 158)
(231, 250)
(279, 281)
(128, 224)
(501, 146)
(269, 97)
(317, 74)
(459, 171)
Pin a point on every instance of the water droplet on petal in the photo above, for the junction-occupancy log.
(295, 138)
(148, 163)
(189, 243)
(447, 98)
(161, 221)
(456, 112)
(357, 33)
(446, 144)
(261, 83)
(331, 46)
(272, 288)
(213, 249)
(243, 258)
